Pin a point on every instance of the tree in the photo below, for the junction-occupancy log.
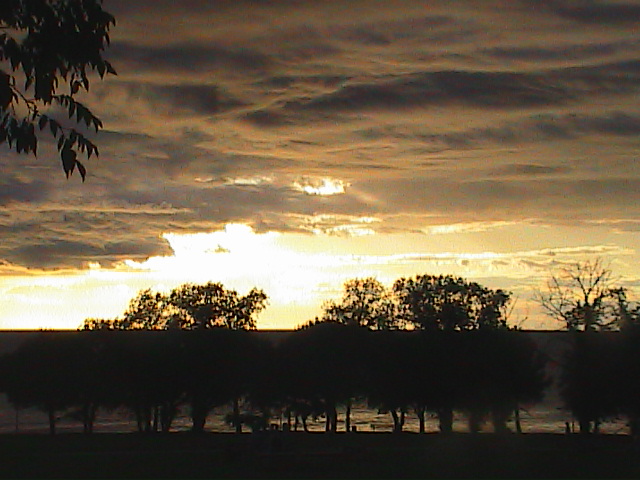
(450, 304)
(593, 377)
(47, 47)
(188, 307)
(399, 369)
(365, 303)
(55, 372)
(581, 296)
(148, 310)
(211, 305)
(501, 370)
(429, 302)
(325, 364)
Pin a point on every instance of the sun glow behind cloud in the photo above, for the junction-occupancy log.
(298, 271)
(323, 186)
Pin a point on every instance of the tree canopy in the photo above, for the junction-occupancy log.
(47, 51)
(187, 307)
(365, 302)
(445, 302)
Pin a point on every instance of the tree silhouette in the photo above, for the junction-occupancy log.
(326, 364)
(55, 373)
(501, 369)
(211, 305)
(395, 373)
(365, 303)
(593, 379)
(47, 47)
(430, 302)
(188, 307)
(450, 304)
(220, 366)
(582, 298)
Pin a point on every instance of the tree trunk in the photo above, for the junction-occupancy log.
(167, 414)
(634, 426)
(585, 426)
(499, 418)
(198, 416)
(146, 418)
(398, 421)
(236, 415)
(475, 421)
(52, 420)
(445, 419)
(156, 417)
(516, 415)
(420, 411)
(332, 418)
(138, 412)
(347, 419)
(88, 417)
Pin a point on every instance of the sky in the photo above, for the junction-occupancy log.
(292, 145)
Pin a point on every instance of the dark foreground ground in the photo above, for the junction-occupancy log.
(300, 455)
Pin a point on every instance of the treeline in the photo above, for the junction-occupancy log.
(601, 378)
(311, 372)
(430, 344)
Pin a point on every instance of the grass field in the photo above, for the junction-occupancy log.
(307, 455)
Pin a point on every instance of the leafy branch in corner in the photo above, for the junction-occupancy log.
(45, 47)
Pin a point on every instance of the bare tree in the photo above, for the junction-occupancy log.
(581, 296)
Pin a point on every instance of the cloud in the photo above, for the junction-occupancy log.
(488, 89)
(536, 129)
(599, 12)
(419, 114)
(335, 225)
(185, 57)
(13, 189)
(320, 186)
(185, 98)
(469, 227)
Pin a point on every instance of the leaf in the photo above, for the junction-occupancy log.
(69, 161)
(110, 68)
(82, 170)
(53, 126)
(43, 122)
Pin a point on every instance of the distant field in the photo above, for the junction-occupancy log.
(316, 455)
